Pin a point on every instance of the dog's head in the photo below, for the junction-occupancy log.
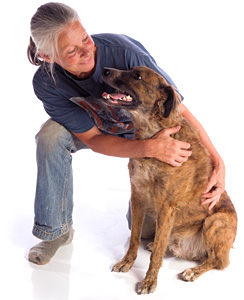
(140, 87)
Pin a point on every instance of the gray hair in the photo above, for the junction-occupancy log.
(46, 25)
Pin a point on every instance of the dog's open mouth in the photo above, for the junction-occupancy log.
(118, 98)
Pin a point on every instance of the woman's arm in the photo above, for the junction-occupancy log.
(161, 146)
(217, 180)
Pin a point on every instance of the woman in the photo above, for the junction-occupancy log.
(71, 63)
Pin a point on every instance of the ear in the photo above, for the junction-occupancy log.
(44, 56)
(170, 101)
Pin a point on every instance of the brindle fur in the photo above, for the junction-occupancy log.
(171, 195)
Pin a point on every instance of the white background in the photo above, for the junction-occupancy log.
(200, 45)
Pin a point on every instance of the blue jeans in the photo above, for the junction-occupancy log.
(54, 189)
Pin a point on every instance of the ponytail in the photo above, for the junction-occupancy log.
(32, 54)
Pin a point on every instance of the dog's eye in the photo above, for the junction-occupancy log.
(137, 76)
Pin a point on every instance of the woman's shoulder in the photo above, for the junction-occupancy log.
(117, 40)
(47, 83)
(46, 77)
(42, 76)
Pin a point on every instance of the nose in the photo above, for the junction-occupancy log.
(106, 72)
(84, 52)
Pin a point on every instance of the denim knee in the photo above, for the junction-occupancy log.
(52, 136)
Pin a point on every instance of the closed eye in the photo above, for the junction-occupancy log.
(72, 51)
(85, 39)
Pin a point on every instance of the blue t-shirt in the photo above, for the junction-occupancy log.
(113, 51)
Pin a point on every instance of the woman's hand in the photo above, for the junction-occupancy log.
(168, 149)
(216, 185)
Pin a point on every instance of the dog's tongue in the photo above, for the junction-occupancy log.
(114, 96)
(117, 96)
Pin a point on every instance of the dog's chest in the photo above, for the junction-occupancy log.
(148, 173)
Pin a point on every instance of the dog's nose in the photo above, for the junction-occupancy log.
(106, 72)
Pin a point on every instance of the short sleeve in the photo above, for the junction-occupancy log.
(61, 109)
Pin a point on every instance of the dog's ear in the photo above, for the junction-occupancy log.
(169, 103)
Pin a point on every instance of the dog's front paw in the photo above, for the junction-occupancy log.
(188, 275)
(146, 286)
(122, 266)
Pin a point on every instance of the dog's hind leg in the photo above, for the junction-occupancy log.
(192, 274)
(219, 232)
(165, 220)
(138, 215)
(217, 258)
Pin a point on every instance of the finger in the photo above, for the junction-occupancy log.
(185, 153)
(182, 145)
(207, 201)
(210, 184)
(172, 130)
(181, 159)
(185, 145)
(212, 199)
(176, 163)
(214, 193)
(212, 204)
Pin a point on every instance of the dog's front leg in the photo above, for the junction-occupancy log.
(165, 220)
(138, 215)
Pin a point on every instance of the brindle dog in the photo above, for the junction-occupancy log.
(171, 195)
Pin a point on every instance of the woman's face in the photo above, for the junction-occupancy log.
(76, 51)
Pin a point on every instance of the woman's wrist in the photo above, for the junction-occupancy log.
(217, 162)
